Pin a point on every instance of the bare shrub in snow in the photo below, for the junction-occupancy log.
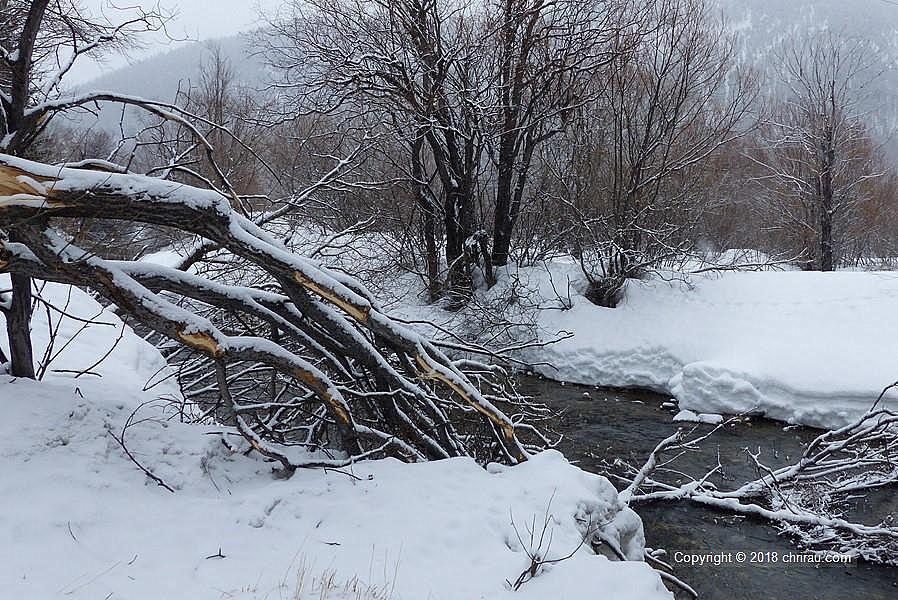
(537, 545)
(629, 181)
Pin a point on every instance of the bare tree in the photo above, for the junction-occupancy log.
(227, 116)
(671, 98)
(405, 62)
(39, 44)
(547, 55)
(817, 153)
(468, 90)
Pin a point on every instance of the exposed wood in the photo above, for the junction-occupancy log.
(356, 311)
(203, 342)
(15, 181)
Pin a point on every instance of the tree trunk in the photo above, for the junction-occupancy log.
(826, 241)
(458, 218)
(428, 210)
(501, 237)
(827, 206)
(430, 254)
(18, 327)
(502, 222)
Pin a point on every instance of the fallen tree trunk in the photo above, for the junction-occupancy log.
(381, 385)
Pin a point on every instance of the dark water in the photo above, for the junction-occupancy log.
(607, 423)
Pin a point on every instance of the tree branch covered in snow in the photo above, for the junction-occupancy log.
(802, 499)
(348, 377)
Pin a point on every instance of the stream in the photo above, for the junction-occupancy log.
(602, 423)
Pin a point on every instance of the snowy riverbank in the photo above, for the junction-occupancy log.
(85, 522)
(804, 347)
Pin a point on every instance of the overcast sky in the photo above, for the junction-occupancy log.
(197, 20)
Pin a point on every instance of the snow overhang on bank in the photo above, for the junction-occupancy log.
(86, 523)
(803, 347)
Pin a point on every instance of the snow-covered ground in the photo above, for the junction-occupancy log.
(85, 522)
(80, 520)
(804, 347)
(72, 333)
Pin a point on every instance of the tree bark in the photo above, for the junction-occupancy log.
(18, 327)
(458, 218)
(431, 258)
(502, 221)
(827, 205)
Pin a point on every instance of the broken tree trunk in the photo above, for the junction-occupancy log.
(353, 378)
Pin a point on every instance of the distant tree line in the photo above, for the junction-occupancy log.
(628, 134)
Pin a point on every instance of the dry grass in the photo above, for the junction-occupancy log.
(306, 582)
(327, 585)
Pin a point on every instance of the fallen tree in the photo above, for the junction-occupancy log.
(348, 377)
(804, 499)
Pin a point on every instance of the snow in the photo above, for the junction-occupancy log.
(85, 522)
(690, 417)
(85, 335)
(803, 347)
(165, 257)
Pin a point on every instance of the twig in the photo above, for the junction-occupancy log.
(121, 442)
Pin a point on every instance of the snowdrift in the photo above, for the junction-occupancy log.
(803, 347)
(71, 333)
